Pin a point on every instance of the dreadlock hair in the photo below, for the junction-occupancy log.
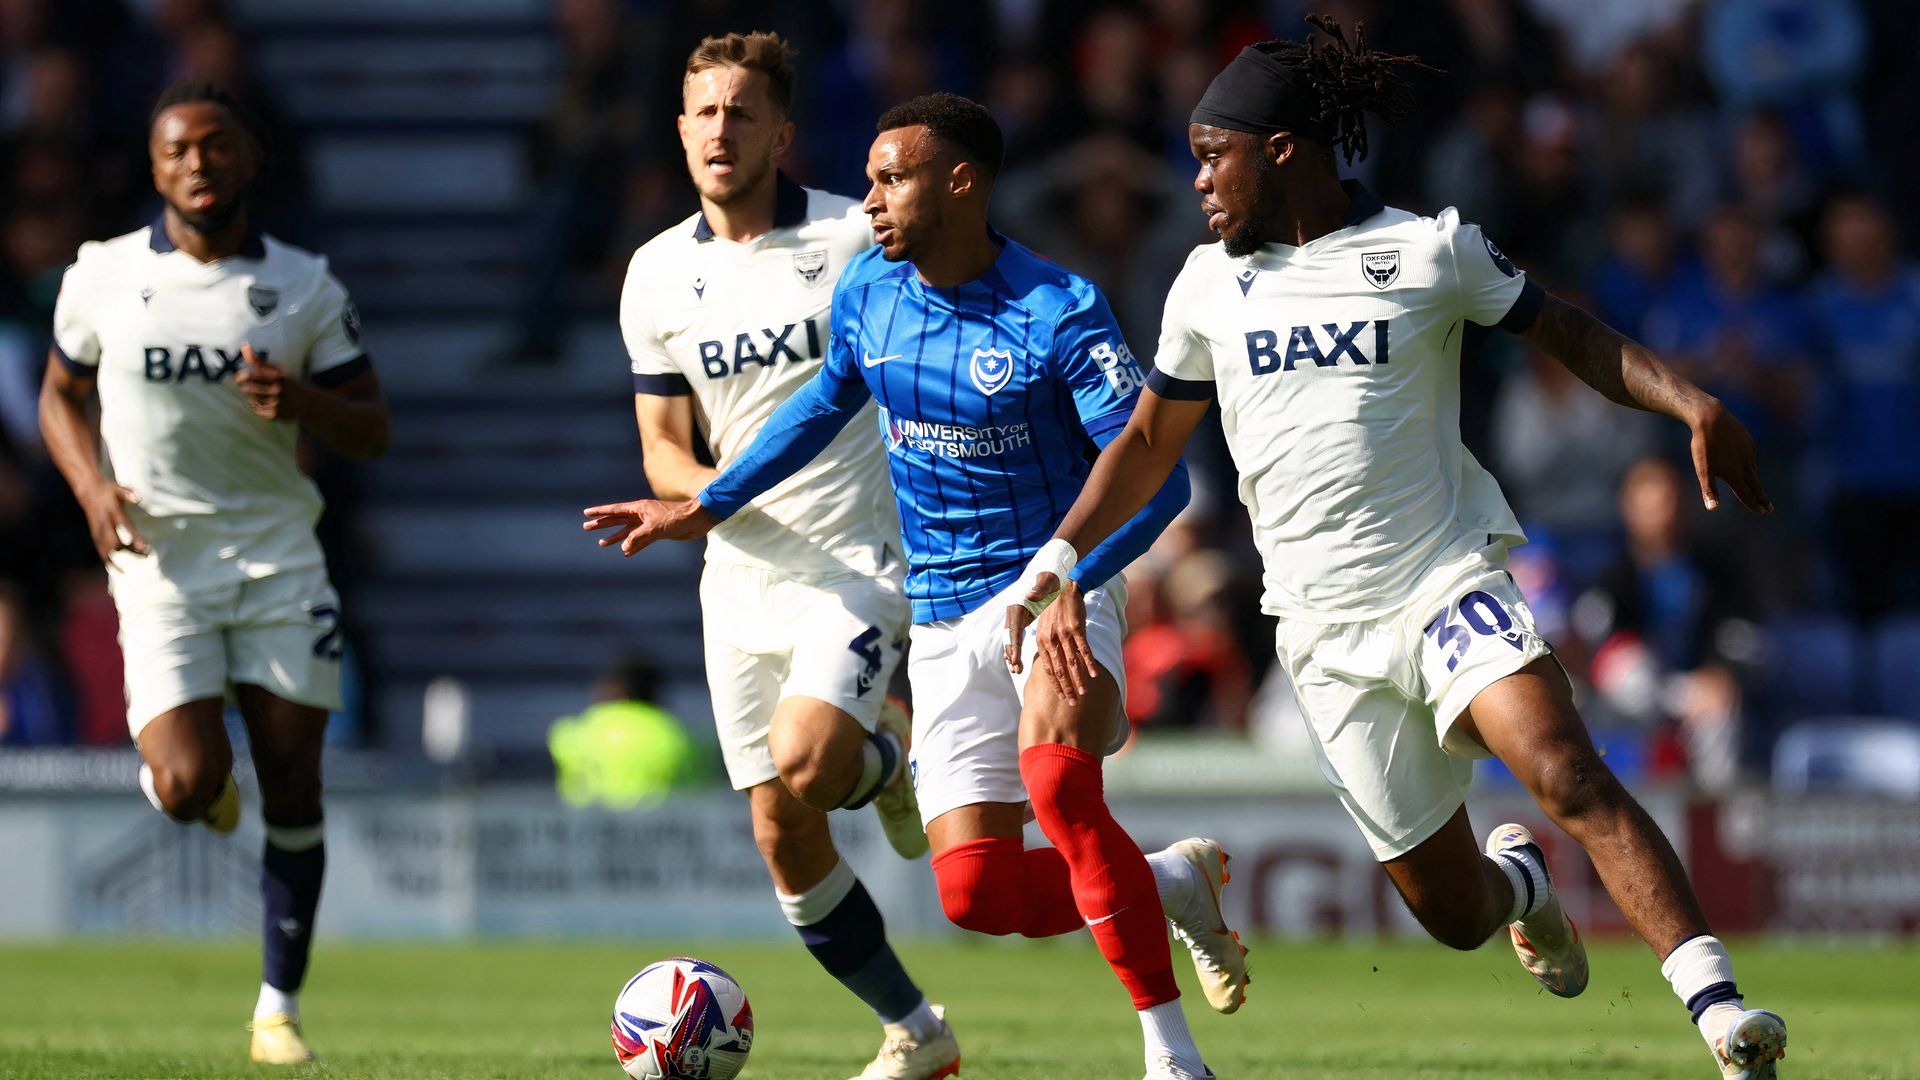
(1349, 79)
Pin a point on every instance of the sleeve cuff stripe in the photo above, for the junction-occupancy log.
(73, 365)
(662, 385)
(1100, 425)
(342, 373)
(1179, 389)
(1525, 309)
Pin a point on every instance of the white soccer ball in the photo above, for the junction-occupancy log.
(682, 1019)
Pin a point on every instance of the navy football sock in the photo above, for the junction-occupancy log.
(291, 867)
(849, 939)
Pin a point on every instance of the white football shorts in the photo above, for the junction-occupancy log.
(966, 704)
(1381, 696)
(770, 636)
(280, 633)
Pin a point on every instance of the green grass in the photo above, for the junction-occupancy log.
(1022, 1010)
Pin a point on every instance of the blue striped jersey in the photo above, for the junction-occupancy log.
(994, 398)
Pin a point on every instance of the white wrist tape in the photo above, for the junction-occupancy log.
(1055, 557)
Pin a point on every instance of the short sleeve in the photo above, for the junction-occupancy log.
(336, 355)
(1182, 363)
(653, 368)
(1492, 291)
(76, 339)
(1092, 360)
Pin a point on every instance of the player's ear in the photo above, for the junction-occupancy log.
(963, 180)
(1278, 147)
(782, 138)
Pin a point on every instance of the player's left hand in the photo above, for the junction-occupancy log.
(1723, 450)
(270, 392)
(1061, 635)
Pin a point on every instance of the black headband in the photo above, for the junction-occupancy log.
(1259, 93)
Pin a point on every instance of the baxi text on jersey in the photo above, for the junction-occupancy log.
(1324, 345)
(765, 347)
(194, 361)
(957, 440)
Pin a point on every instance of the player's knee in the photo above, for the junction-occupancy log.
(186, 790)
(1573, 782)
(979, 906)
(804, 771)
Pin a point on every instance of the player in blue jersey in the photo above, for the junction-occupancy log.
(998, 374)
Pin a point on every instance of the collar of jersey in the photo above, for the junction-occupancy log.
(789, 208)
(253, 247)
(992, 279)
(1363, 204)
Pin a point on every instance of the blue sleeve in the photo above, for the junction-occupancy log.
(1130, 541)
(798, 430)
(1092, 361)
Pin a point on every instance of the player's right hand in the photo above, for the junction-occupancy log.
(643, 521)
(105, 505)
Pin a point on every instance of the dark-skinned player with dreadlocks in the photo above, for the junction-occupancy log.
(1328, 327)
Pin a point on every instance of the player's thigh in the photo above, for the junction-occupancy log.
(847, 638)
(285, 638)
(966, 721)
(1096, 723)
(1376, 743)
(976, 821)
(1468, 636)
(793, 838)
(174, 652)
(1528, 720)
(187, 750)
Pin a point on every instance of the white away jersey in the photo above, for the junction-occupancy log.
(222, 497)
(1337, 366)
(740, 327)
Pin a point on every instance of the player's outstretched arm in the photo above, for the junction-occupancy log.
(350, 419)
(1628, 373)
(639, 523)
(1127, 476)
(73, 441)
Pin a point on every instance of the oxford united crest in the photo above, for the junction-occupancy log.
(1382, 267)
(808, 266)
(991, 369)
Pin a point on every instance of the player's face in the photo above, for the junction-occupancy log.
(731, 132)
(1234, 182)
(202, 163)
(911, 187)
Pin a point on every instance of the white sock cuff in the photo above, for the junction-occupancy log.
(1531, 887)
(817, 903)
(297, 838)
(1165, 1029)
(1698, 963)
(1172, 878)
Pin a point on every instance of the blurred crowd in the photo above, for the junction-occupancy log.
(1729, 181)
(77, 78)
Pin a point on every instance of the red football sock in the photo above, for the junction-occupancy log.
(1112, 884)
(994, 886)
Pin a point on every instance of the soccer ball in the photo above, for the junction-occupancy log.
(682, 1019)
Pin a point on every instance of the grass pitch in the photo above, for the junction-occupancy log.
(1022, 1010)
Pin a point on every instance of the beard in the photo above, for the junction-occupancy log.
(217, 219)
(1242, 241)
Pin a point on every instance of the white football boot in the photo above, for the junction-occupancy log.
(903, 1057)
(1218, 957)
(277, 1041)
(1546, 941)
(896, 803)
(1165, 1067)
(1753, 1041)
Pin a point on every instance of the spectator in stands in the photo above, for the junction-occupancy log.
(1779, 194)
(1670, 625)
(1867, 311)
(1184, 667)
(624, 750)
(1800, 56)
(1647, 133)
(31, 712)
(1643, 263)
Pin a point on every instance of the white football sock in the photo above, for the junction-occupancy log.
(1165, 1026)
(807, 908)
(921, 1023)
(1700, 968)
(1529, 880)
(274, 1000)
(1174, 877)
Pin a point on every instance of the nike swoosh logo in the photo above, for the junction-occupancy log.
(875, 361)
(1104, 918)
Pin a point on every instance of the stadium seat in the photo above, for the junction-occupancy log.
(1896, 667)
(1849, 755)
(1813, 666)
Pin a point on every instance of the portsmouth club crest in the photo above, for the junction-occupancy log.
(991, 369)
(1381, 267)
(262, 299)
(810, 266)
